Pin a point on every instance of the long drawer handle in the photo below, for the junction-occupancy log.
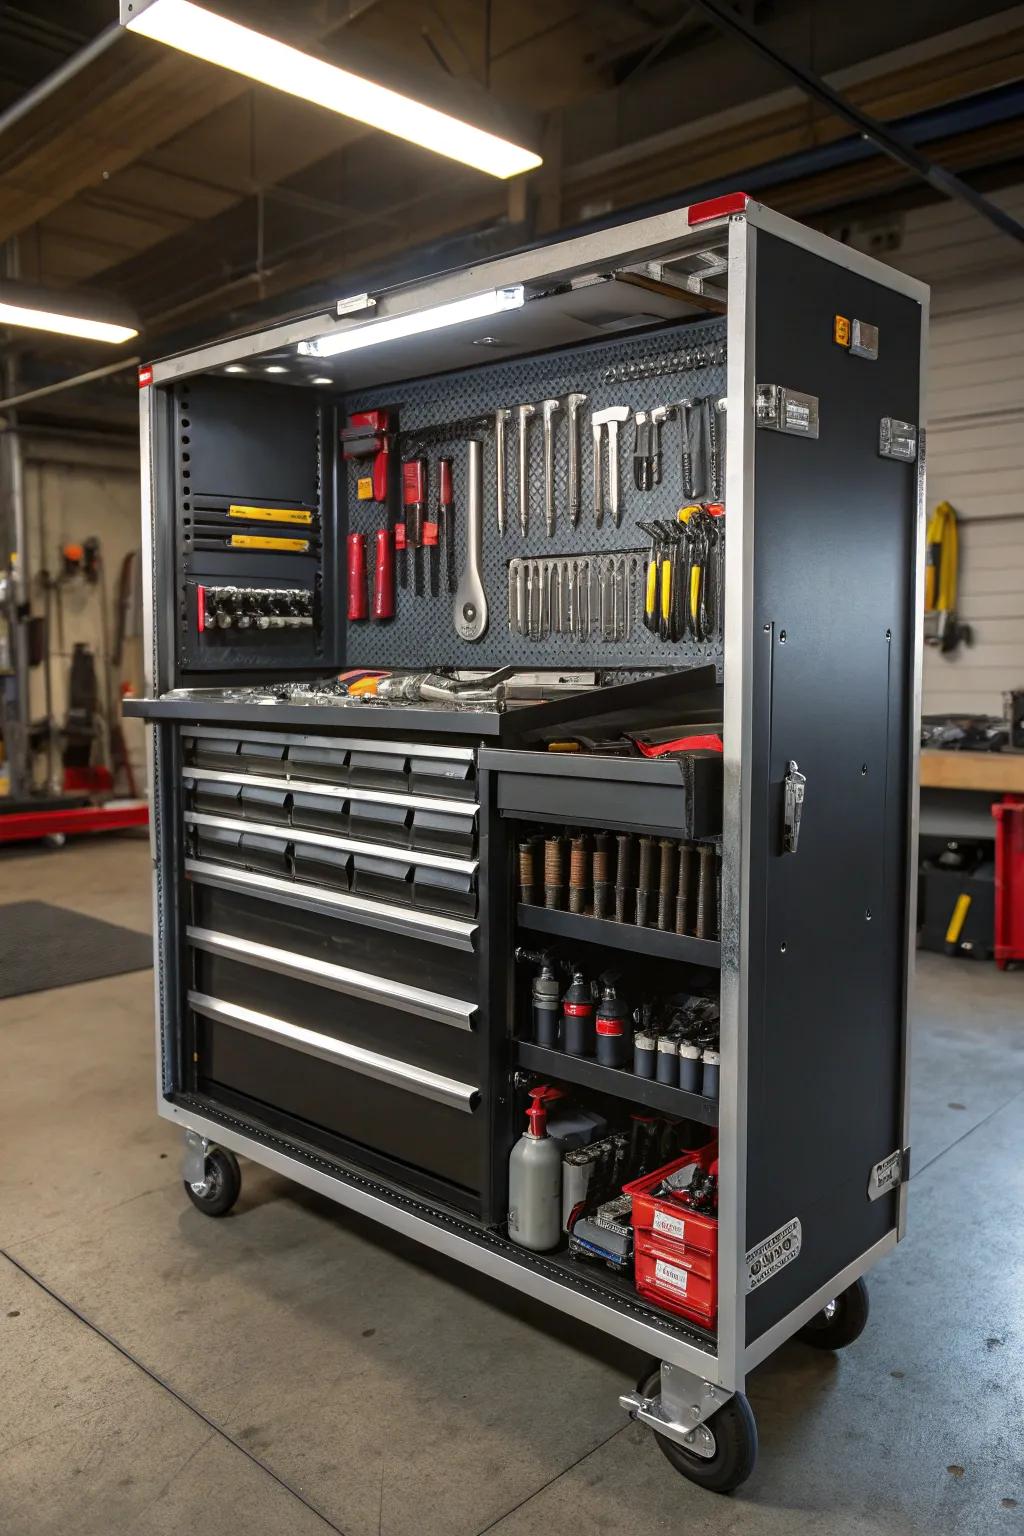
(414, 750)
(289, 834)
(374, 989)
(431, 927)
(466, 808)
(386, 1069)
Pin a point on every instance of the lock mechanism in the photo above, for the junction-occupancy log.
(793, 805)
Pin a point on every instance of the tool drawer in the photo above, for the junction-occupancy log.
(679, 796)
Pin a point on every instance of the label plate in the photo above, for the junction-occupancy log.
(774, 1253)
(885, 1176)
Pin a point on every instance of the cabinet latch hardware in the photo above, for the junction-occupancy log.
(793, 806)
(786, 410)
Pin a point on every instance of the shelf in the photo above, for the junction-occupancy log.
(638, 941)
(588, 1073)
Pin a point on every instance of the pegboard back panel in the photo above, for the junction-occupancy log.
(641, 372)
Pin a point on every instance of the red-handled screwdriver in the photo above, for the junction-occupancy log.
(383, 576)
(414, 499)
(356, 576)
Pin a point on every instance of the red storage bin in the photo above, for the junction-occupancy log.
(1009, 937)
(666, 1218)
(675, 1249)
(677, 1278)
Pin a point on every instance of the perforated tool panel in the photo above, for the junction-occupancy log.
(422, 632)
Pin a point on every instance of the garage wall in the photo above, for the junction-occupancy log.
(975, 438)
(73, 492)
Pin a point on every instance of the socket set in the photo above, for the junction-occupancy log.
(587, 597)
(652, 882)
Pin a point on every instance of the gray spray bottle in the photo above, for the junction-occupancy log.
(535, 1178)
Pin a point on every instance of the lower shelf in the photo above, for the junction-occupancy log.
(614, 1080)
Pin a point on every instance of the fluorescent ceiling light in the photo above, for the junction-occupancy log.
(480, 306)
(205, 35)
(43, 310)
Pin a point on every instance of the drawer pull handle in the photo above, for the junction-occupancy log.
(386, 1069)
(374, 989)
(295, 785)
(432, 927)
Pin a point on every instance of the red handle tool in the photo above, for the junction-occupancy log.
(446, 521)
(383, 576)
(357, 576)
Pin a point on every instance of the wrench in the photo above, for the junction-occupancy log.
(502, 416)
(572, 408)
(549, 410)
(470, 608)
(523, 415)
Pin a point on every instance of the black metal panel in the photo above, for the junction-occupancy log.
(833, 590)
(403, 1125)
(248, 443)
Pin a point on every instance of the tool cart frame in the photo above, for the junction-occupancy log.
(696, 1380)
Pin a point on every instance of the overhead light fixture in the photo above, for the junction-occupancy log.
(205, 35)
(236, 368)
(321, 379)
(66, 314)
(480, 306)
(275, 368)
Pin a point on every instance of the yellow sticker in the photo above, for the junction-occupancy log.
(841, 331)
(256, 541)
(272, 514)
(364, 488)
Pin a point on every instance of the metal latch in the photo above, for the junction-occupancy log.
(795, 784)
(786, 410)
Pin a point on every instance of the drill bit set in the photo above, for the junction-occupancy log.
(587, 597)
(622, 877)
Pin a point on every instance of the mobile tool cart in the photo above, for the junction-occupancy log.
(663, 603)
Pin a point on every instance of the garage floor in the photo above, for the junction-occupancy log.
(292, 1369)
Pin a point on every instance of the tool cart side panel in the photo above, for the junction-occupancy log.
(833, 592)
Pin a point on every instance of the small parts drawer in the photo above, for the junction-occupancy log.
(676, 797)
(660, 1218)
(406, 768)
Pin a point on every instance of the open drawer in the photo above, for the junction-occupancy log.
(671, 797)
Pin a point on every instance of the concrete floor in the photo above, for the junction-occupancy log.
(295, 1370)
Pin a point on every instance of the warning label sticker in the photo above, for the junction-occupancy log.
(885, 1175)
(773, 1254)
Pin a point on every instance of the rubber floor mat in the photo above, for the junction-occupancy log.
(43, 946)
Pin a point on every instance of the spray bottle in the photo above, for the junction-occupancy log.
(535, 1178)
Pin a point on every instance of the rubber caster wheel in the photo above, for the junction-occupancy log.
(54, 840)
(730, 1435)
(221, 1186)
(840, 1321)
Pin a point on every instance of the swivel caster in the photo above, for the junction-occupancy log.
(718, 1454)
(216, 1192)
(840, 1321)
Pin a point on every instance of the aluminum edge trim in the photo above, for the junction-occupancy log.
(553, 1293)
(340, 978)
(759, 1349)
(914, 766)
(429, 925)
(835, 252)
(290, 834)
(295, 785)
(385, 1069)
(737, 705)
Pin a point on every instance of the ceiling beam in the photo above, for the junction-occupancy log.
(889, 140)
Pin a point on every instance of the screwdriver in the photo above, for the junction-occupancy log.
(414, 497)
